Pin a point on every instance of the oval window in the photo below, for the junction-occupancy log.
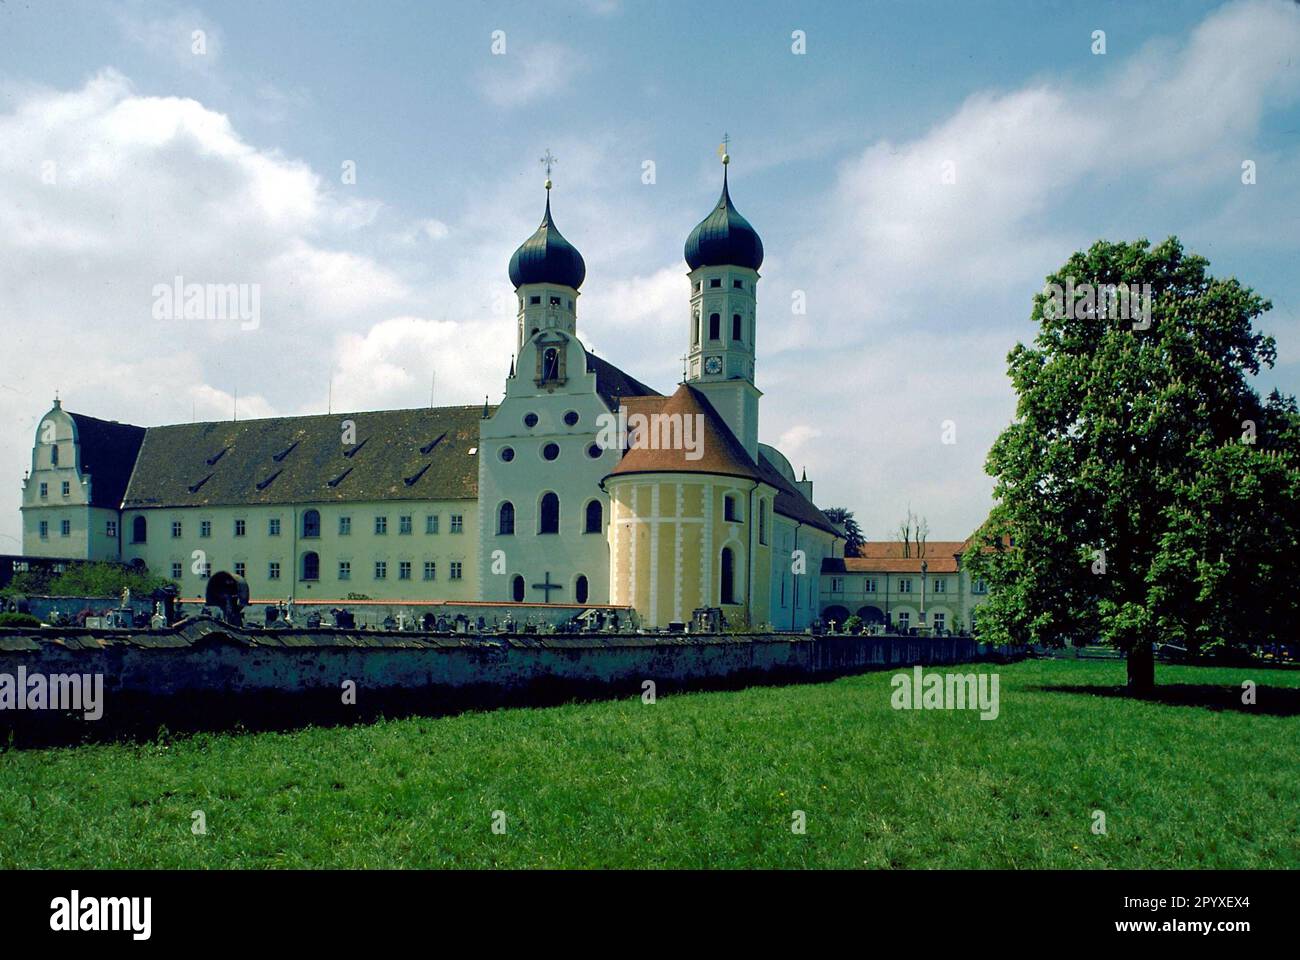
(571, 418)
(551, 451)
(507, 454)
(530, 420)
(594, 451)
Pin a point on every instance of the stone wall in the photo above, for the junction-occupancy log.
(207, 674)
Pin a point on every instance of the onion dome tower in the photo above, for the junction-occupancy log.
(724, 253)
(547, 271)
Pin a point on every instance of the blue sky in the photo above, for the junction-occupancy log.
(225, 167)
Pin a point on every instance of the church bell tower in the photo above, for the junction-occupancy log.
(724, 253)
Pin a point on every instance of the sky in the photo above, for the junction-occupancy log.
(371, 167)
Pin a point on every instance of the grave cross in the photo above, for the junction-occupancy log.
(547, 586)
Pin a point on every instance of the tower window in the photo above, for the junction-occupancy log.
(715, 326)
(580, 589)
(530, 420)
(507, 454)
(594, 451)
(571, 418)
(715, 282)
(738, 284)
(534, 301)
(551, 451)
(506, 519)
(735, 327)
(54, 455)
(549, 516)
(730, 512)
(555, 301)
(595, 519)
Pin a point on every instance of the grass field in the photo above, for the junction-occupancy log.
(704, 780)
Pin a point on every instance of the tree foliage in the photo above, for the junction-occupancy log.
(843, 518)
(85, 580)
(1144, 490)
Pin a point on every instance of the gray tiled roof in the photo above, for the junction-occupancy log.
(108, 452)
(421, 454)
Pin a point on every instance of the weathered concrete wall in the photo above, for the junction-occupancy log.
(207, 670)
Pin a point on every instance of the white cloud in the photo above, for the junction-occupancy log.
(527, 71)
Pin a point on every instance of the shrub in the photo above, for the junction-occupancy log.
(18, 620)
(853, 624)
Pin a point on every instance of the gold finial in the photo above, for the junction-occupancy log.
(548, 161)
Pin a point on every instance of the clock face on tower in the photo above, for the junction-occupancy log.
(713, 365)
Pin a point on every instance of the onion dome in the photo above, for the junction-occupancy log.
(546, 257)
(724, 237)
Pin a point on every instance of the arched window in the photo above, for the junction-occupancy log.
(695, 328)
(595, 520)
(728, 575)
(715, 326)
(517, 589)
(735, 327)
(580, 589)
(311, 565)
(551, 364)
(139, 530)
(311, 527)
(762, 521)
(54, 454)
(548, 520)
(506, 519)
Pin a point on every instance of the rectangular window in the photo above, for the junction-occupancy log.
(177, 571)
(534, 300)
(345, 569)
(66, 488)
(837, 585)
(431, 523)
(176, 528)
(273, 527)
(381, 570)
(65, 527)
(869, 585)
(239, 528)
(111, 528)
(205, 528)
(404, 524)
(940, 620)
(45, 529)
(381, 525)
(207, 570)
(904, 586)
(45, 490)
(738, 284)
(940, 585)
(730, 509)
(273, 570)
(241, 568)
(345, 526)
(904, 621)
(979, 587)
(455, 570)
(404, 570)
(457, 523)
(715, 282)
(430, 570)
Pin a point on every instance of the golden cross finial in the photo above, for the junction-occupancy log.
(548, 161)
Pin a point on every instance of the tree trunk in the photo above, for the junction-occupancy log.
(1141, 669)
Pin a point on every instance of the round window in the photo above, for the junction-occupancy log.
(571, 418)
(507, 454)
(594, 451)
(551, 451)
(530, 420)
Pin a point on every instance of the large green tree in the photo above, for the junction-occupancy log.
(1144, 490)
(844, 519)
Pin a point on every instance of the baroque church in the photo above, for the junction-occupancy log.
(525, 502)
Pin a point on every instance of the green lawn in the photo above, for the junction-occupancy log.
(701, 780)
